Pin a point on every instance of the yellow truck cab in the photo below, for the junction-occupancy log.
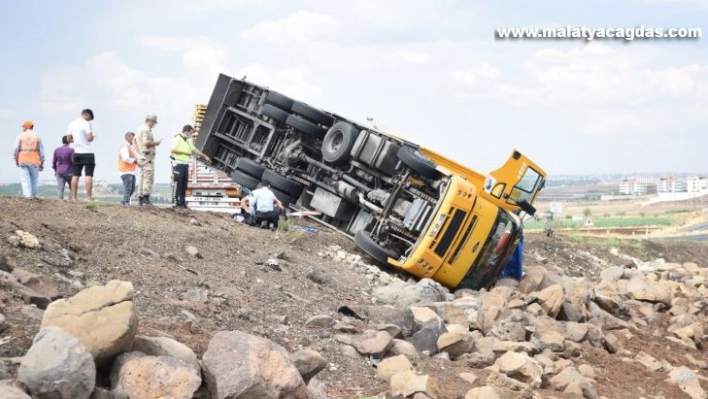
(476, 227)
(401, 203)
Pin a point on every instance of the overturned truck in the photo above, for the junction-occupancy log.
(404, 205)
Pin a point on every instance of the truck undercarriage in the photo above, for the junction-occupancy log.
(360, 179)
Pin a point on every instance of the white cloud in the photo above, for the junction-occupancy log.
(613, 123)
(6, 113)
(295, 81)
(300, 27)
(473, 76)
(601, 75)
(407, 56)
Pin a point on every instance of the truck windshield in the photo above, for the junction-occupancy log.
(495, 253)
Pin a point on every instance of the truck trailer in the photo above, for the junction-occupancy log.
(403, 204)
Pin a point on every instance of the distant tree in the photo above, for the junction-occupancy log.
(587, 212)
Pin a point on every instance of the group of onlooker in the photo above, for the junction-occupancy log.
(68, 163)
(76, 157)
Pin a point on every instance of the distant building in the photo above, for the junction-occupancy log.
(670, 185)
(636, 187)
(697, 184)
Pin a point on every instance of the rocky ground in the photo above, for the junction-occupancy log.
(148, 303)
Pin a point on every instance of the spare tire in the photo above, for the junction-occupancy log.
(305, 127)
(418, 162)
(364, 241)
(249, 167)
(312, 114)
(283, 184)
(279, 100)
(338, 142)
(274, 113)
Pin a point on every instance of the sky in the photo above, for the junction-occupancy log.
(431, 69)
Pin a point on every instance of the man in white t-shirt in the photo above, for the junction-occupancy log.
(82, 132)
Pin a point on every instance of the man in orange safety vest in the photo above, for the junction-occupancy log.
(127, 164)
(29, 157)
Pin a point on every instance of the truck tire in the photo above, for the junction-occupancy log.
(284, 198)
(338, 142)
(274, 113)
(250, 167)
(371, 247)
(305, 127)
(418, 163)
(281, 101)
(283, 184)
(312, 114)
(244, 180)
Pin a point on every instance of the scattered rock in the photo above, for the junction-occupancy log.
(28, 295)
(240, 365)
(407, 383)
(321, 321)
(102, 317)
(612, 343)
(391, 366)
(137, 375)
(197, 295)
(520, 367)
(317, 277)
(163, 346)
(4, 265)
(193, 251)
(482, 393)
(455, 344)
(405, 348)
(648, 361)
(3, 323)
(58, 365)
(373, 343)
(643, 289)
(469, 377)
(551, 299)
(24, 239)
(11, 390)
(687, 380)
(38, 283)
(401, 294)
(308, 363)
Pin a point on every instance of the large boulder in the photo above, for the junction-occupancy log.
(401, 294)
(238, 365)
(137, 375)
(643, 289)
(58, 366)
(102, 317)
(163, 346)
(308, 363)
(11, 390)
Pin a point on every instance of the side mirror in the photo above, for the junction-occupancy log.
(526, 207)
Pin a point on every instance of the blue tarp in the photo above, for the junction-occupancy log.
(515, 267)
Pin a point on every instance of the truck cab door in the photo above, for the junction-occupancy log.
(516, 184)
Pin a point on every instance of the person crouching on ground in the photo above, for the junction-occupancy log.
(127, 164)
(182, 150)
(62, 164)
(266, 206)
(29, 157)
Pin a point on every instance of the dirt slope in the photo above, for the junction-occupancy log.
(231, 285)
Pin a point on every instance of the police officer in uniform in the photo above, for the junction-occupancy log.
(146, 146)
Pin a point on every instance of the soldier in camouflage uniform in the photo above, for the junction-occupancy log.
(146, 145)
